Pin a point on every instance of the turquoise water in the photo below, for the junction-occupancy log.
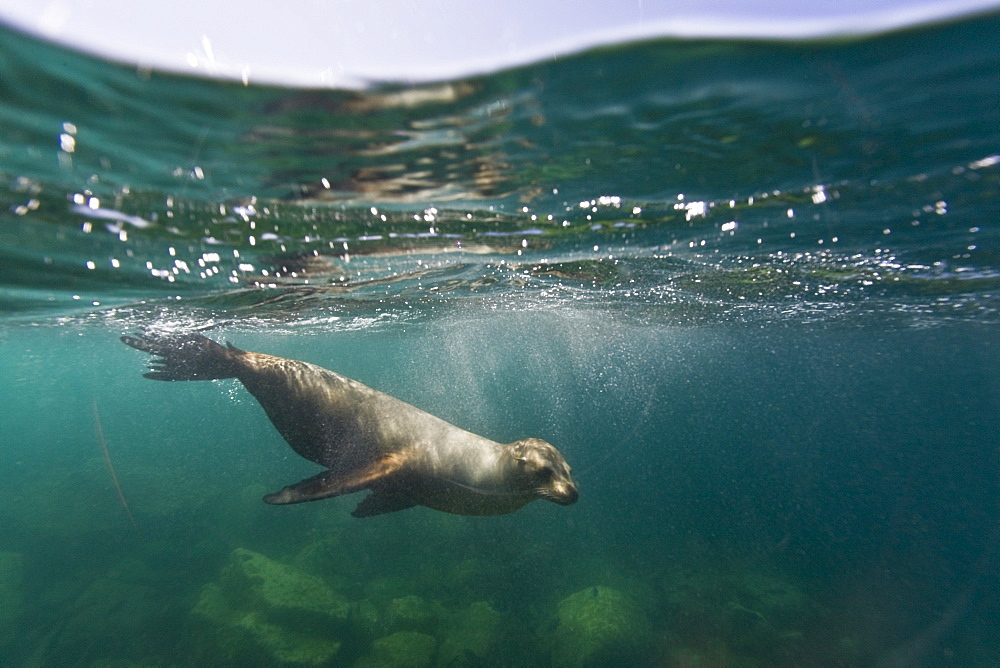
(750, 289)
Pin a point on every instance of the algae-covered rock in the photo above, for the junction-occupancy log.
(759, 616)
(765, 615)
(597, 625)
(330, 556)
(473, 635)
(264, 611)
(109, 615)
(11, 594)
(385, 588)
(241, 635)
(780, 602)
(412, 613)
(368, 619)
(282, 592)
(406, 649)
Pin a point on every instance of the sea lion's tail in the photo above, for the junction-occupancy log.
(187, 356)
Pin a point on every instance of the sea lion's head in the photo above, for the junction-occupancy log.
(542, 468)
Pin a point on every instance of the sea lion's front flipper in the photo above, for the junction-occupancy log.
(334, 483)
(381, 503)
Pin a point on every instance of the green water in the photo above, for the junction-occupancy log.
(748, 289)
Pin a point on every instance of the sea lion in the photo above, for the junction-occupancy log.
(367, 439)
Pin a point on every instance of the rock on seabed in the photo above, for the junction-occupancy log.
(598, 625)
(262, 607)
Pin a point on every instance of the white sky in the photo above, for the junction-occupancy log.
(342, 42)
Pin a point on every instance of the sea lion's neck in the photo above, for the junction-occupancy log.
(470, 460)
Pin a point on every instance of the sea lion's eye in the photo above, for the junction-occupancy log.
(546, 473)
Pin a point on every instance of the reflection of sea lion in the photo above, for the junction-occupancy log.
(369, 440)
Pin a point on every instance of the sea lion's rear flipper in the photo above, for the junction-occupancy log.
(335, 483)
(186, 356)
(381, 503)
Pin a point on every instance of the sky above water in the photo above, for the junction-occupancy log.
(345, 42)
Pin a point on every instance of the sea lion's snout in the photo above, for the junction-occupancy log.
(564, 493)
